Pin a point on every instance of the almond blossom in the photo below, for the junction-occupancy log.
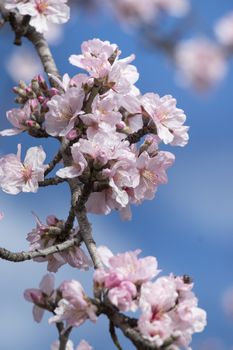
(200, 63)
(16, 176)
(20, 118)
(38, 296)
(42, 12)
(74, 307)
(167, 315)
(43, 236)
(167, 118)
(123, 274)
(100, 59)
(63, 111)
(95, 57)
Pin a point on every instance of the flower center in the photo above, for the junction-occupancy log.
(147, 174)
(42, 6)
(27, 173)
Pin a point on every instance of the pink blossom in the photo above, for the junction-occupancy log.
(78, 166)
(104, 115)
(43, 237)
(1, 215)
(224, 29)
(17, 176)
(39, 296)
(122, 275)
(154, 327)
(123, 296)
(63, 111)
(74, 307)
(100, 59)
(200, 63)
(95, 57)
(152, 173)
(169, 309)
(42, 12)
(167, 118)
(123, 76)
(20, 118)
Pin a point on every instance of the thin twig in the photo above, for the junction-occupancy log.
(136, 136)
(113, 334)
(23, 256)
(53, 163)
(51, 181)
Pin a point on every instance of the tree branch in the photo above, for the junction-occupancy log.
(63, 335)
(53, 163)
(85, 231)
(127, 325)
(136, 136)
(114, 336)
(23, 256)
(51, 181)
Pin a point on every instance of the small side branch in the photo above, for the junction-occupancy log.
(85, 231)
(114, 336)
(53, 163)
(126, 324)
(63, 335)
(136, 136)
(38, 253)
(51, 181)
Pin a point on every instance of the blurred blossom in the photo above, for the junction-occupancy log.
(133, 12)
(23, 65)
(224, 29)
(176, 8)
(227, 301)
(55, 34)
(200, 63)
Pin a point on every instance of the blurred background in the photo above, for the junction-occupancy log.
(188, 226)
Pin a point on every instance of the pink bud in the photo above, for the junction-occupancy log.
(121, 125)
(72, 134)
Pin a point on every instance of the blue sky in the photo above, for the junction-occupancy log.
(189, 225)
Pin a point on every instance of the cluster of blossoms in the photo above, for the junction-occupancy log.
(50, 234)
(41, 12)
(169, 312)
(138, 12)
(101, 113)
